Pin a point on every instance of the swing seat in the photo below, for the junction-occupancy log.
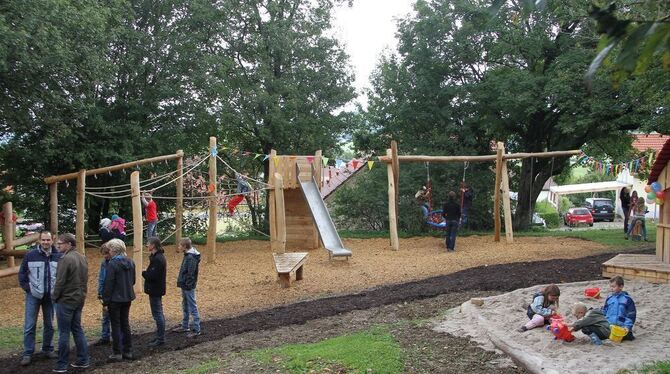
(434, 218)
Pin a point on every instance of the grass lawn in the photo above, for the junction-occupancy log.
(374, 349)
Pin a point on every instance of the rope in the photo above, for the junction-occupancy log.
(231, 168)
(530, 198)
(551, 178)
(102, 194)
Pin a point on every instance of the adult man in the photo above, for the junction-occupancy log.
(37, 276)
(151, 211)
(69, 294)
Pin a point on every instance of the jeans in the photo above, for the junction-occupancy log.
(464, 215)
(151, 228)
(33, 305)
(69, 320)
(156, 304)
(106, 325)
(189, 307)
(451, 230)
(119, 313)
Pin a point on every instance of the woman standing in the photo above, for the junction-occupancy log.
(624, 196)
(117, 295)
(154, 286)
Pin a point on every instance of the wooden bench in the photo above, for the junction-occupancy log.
(286, 263)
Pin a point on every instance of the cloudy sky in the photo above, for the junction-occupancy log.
(367, 29)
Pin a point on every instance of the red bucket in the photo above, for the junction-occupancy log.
(593, 292)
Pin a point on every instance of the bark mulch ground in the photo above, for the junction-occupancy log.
(490, 279)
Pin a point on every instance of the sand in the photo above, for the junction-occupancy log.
(244, 279)
(493, 325)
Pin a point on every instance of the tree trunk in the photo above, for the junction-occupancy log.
(542, 170)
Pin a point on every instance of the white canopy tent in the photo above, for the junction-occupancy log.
(555, 192)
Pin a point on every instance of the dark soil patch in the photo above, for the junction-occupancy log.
(495, 278)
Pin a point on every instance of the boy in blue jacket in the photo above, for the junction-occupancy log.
(620, 308)
(187, 281)
(105, 336)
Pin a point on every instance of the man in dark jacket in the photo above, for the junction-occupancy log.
(70, 294)
(117, 295)
(37, 276)
(451, 212)
(154, 286)
(187, 280)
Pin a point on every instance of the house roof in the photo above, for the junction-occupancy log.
(333, 177)
(588, 187)
(642, 142)
(662, 158)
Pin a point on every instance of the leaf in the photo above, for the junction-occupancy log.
(657, 33)
(597, 61)
(629, 51)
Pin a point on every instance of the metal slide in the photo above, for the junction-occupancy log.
(329, 237)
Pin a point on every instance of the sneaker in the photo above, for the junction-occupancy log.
(155, 343)
(595, 339)
(522, 329)
(81, 365)
(193, 334)
(102, 342)
(114, 358)
(25, 360)
(50, 354)
(179, 328)
(128, 356)
(59, 370)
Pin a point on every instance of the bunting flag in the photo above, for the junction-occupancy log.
(266, 157)
(257, 155)
(339, 163)
(213, 152)
(370, 163)
(606, 167)
(325, 161)
(355, 163)
(211, 188)
(310, 159)
(276, 160)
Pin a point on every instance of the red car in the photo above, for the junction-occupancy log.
(576, 216)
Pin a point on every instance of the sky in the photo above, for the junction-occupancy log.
(366, 30)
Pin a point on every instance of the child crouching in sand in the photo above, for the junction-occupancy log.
(544, 305)
(592, 322)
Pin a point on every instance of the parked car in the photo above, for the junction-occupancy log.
(576, 216)
(601, 209)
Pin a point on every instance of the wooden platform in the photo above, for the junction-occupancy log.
(641, 267)
(286, 263)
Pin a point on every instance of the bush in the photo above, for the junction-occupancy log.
(549, 214)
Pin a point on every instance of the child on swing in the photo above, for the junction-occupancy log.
(544, 305)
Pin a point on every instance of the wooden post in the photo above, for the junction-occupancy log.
(53, 209)
(393, 216)
(8, 231)
(396, 171)
(509, 233)
(271, 202)
(496, 203)
(179, 208)
(318, 167)
(210, 253)
(81, 209)
(138, 228)
(280, 213)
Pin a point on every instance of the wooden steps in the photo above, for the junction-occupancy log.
(635, 266)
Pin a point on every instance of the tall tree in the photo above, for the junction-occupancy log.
(511, 78)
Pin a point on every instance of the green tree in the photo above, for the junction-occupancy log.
(463, 79)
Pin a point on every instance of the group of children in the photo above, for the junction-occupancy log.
(154, 286)
(619, 310)
(114, 228)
